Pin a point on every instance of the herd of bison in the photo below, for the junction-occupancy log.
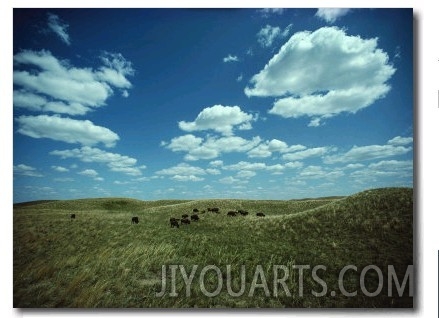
(186, 219)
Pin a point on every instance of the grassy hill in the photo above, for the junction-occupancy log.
(101, 260)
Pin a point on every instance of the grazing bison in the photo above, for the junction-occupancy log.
(232, 213)
(194, 217)
(174, 222)
(243, 212)
(195, 210)
(216, 210)
(185, 216)
(135, 219)
(185, 221)
(72, 216)
(260, 214)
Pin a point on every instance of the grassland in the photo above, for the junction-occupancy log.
(102, 260)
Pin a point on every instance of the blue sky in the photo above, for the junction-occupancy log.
(211, 103)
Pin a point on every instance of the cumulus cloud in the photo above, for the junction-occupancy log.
(382, 169)
(230, 58)
(114, 161)
(183, 172)
(268, 34)
(89, 173)
(310, 152)
(27, 171)
(60, 169)
(330, 15)
(59, 27)
(66, 130)
(323, 73)
(267, 148)
(400, 141)
(56, 86)
(217, 146)
(318, 172)
(266, 12)
(370, 152)
(219, 118)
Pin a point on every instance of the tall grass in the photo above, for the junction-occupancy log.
(102, 260)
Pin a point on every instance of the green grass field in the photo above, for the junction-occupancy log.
(100, 259)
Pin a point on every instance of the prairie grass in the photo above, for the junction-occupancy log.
(102, 260)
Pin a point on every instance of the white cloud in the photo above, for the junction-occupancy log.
(330, 15)
(38, 103)
(317, 172)
(230, 58)
(232, 180)
(239, 78)
(59, 27)
(266, 149)
(183, 169)
(183, 172)
(323, 73)
(187, 178)
(114, 161)
(246, 174)
(268, 34)
(216, 163)
(400, 141)
(66, 130)
(60, 169)
(63, 88)
(311, 152)
(382, 169)
(89, 173)
(370, 152)
(266, 12)
(27, 171)
(222, 119)
(210, 148)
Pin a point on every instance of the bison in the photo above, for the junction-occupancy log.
(135, 220)
(185, 216)
(232, 213)
(194, 217)
(216, 210)
(185, 221)
(260, 214)
(195, 210)
(243, 212)
(174, 222)
(72, 216)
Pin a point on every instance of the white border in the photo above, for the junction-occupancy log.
(426, 220)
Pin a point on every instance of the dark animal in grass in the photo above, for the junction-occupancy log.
(174, 222)
(232, 213)
(216, 210)
(195, 210)
(194, 217)
(185, 216)
(135, 220)
(243, 212)
(72, 216)
(185, 221)
(260, 214)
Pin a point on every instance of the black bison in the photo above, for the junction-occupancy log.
(135, 220)
(194, 217)
(174, 222)
(72, 216)
(232, 213)
(260, 214)
(216, 210)
(185, 216)
(185, 221)
(242, 212)
(195, 210)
